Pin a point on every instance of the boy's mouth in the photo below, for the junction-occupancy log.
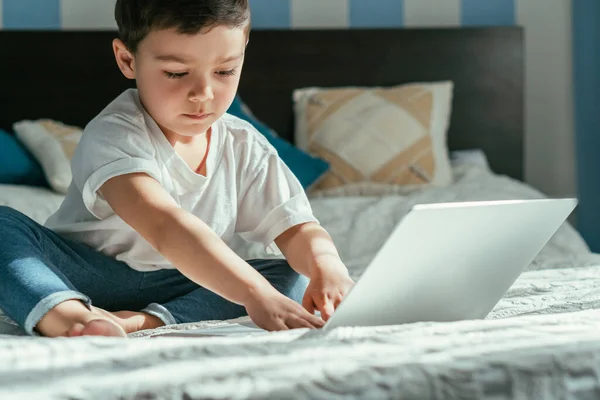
(199, 116)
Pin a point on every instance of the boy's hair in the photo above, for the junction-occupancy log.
(137, 18)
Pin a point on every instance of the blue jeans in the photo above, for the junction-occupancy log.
(40, 269)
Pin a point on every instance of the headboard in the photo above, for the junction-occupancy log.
(71, 75)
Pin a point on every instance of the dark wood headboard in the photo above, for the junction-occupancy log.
(70, 76)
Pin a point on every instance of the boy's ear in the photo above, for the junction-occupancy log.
(125, 59)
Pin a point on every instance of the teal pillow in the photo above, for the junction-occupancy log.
(308, 169)
(17, 165)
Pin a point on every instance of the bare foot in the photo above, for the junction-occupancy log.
(97, 327)
(133, 321)
(118, 323)
(73, 318)
(130, 321)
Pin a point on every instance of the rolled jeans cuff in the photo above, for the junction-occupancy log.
(48, 303)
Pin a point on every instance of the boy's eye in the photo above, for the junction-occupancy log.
(175, 75)
(231, 72)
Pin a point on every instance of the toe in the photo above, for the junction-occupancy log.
(75, 330)
(102, 327)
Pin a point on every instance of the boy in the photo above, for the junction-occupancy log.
(162, 180)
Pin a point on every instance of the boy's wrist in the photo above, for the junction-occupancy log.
(255, 288)
(326, 262)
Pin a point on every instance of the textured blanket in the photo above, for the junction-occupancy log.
(542, 341)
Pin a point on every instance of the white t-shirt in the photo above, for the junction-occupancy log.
(247, 192)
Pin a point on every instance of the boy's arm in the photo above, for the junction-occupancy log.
(310, 251)
(183, 239)
(197, 252)
(308, 246)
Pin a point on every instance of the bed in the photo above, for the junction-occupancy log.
(540, 341)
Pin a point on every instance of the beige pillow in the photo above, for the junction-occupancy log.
(52, 143)
(377, 136)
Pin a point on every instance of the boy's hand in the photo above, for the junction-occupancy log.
(271, 310)
(329, 284)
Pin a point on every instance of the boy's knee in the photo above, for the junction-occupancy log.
(283, 277)
(13, 220)
(294, 285)
(6, 210)
(10, 214)
(299, 288)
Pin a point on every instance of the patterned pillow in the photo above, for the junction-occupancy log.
(391, 136)
(52, 143)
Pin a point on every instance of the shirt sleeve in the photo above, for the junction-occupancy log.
(270, 202)
(110, 146)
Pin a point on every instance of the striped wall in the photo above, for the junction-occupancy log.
(75, 14)
(550, 154)
(268, 14)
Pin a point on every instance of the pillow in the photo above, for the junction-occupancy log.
(239, 109)
(308, 169)
(17, 165)
(374, 136)
(470, 156)
(52, 143)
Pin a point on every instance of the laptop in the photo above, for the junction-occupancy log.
(442, 262)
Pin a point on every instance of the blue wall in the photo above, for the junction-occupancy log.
(586, 48)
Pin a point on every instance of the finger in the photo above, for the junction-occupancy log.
(310, 317)
(308, 303)
(298, 322)
(314, 320)
(337, 301)
(279, 325)
(327, 309)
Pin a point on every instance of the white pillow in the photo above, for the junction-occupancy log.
(470, 156)
(52, 143)
(37, 203)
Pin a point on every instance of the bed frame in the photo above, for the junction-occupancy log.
(71, 75)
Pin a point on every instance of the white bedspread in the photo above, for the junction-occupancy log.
(541, 341)
(528, 356)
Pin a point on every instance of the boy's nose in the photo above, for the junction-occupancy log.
(201, 93)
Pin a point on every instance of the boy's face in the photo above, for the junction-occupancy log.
(186, 82)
